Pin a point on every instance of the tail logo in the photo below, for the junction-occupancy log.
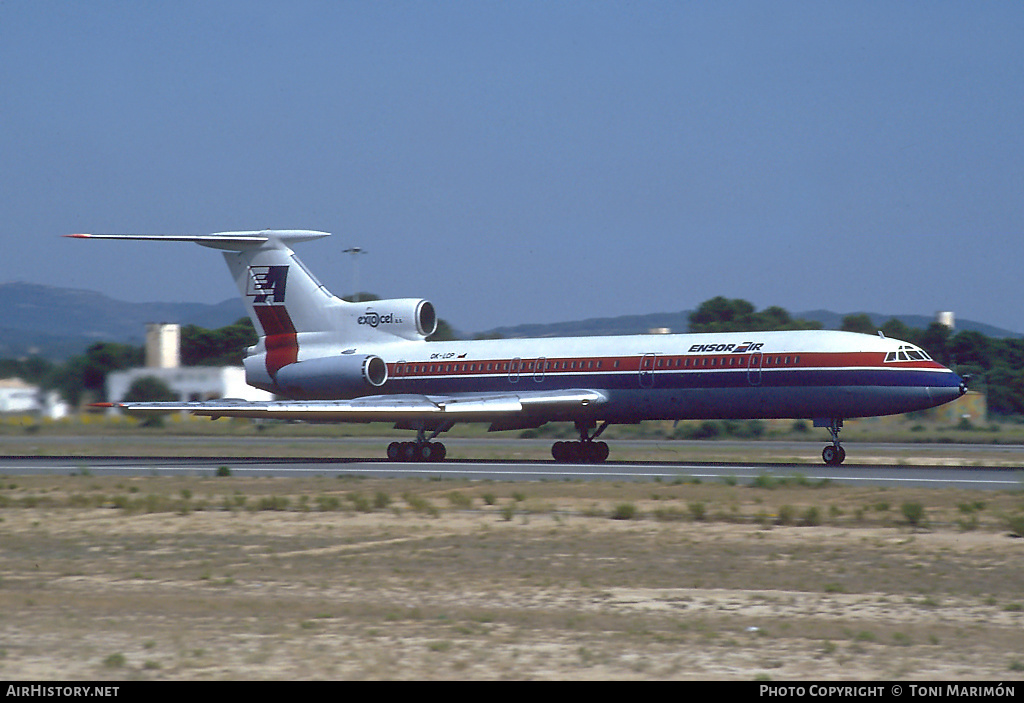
(267, 284)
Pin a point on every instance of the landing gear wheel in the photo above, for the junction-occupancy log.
(425, 452)
(411, 451)
(395, 451)
(433, 451)
(595, 452)
(579, 452)
(408, 451)
(561, 451)
(833, 455)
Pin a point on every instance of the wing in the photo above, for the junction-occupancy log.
(508, 410)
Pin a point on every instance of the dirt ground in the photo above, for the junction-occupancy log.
(231, 578)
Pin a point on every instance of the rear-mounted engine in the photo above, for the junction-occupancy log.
(408, 318)
(333, 377)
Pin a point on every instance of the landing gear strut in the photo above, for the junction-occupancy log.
(585, 451)
(423, 449)
(833, 454)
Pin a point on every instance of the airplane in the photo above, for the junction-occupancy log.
(328, 360)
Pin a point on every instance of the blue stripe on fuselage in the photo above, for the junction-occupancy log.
(737, 378)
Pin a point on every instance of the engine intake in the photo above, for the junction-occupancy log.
(408, 318)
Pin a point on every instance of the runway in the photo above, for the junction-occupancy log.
(933, 476)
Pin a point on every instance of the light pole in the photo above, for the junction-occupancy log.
(355, 252)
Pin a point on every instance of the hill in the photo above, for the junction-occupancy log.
(679, 322)
(57, 323)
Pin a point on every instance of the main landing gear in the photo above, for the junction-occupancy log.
(423, 449)
(833, 454)
(585, 451)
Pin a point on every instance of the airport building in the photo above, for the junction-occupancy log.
(19, 397)
(163, 361)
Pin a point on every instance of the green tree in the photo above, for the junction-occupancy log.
(735, 315)
(224, 346)
(149, 389)
(361, 297)
(86, 374)
(895, 329)
(935, 341)
(972, 348)
(443, 333)
(720, 314)
(858, 323)
(34, 369)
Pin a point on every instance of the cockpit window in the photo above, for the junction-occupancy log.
(907, 352)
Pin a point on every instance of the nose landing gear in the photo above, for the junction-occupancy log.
(833, 454)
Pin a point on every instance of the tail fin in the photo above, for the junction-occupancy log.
(295, 316)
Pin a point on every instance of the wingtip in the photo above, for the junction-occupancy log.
(78, 236)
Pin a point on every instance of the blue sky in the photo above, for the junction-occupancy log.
(527, 161)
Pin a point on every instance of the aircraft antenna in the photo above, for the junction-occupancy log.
(355, 252)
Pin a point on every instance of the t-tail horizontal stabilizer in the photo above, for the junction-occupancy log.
(232, 241)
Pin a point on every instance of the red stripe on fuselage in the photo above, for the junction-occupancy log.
(280, 339)
(659, 362)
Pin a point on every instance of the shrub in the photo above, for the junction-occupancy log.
(460, 500)
(624, 511)
(913, 512)
(811, 517)
(114, 661)
(1015, 523)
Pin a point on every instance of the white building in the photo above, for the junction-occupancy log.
(163, 359)
(189, 383)
(17, 396)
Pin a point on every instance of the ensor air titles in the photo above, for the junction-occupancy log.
(735, 348)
